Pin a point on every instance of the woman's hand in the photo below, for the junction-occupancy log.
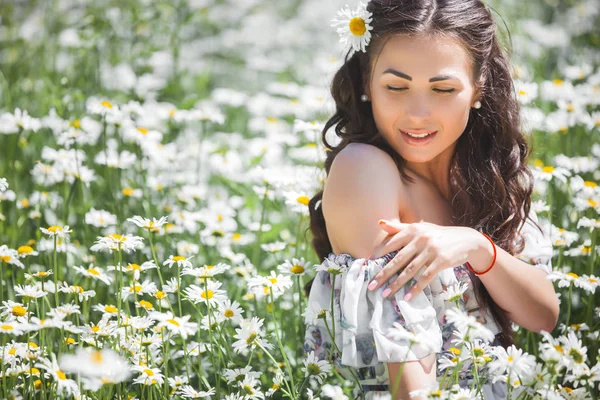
(424, 245)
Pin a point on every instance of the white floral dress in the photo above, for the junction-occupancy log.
(363, 317)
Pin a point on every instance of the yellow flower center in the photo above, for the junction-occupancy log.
(55, 228)
(228, 313)
(116, 236)
(25, 250)
(149, 372)
(106, 104)
(19, 311)
(94, 271)
(173, 322)
(159, 295)
(454, 350)
(70, 340)
(7, 327)
(297, 269)
(110, 309)
(146, 304)
(61, 375)
(548, 169)
(134, 267)
(6, 259)
(357, 26)
(143, 131)
(207, 294)
(178, 258)
(95, 328)
(303, 200)
(128, 192)
(12, 351)
(558, 82)
(573, 275)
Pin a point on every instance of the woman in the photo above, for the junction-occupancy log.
(430, 142)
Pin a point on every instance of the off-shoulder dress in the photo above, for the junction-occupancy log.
(363, 317)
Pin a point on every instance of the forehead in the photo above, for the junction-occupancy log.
(423, 57)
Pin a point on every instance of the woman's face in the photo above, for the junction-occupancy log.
(422, 84)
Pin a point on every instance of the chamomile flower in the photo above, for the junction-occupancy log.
(94, 273)
(181, 261)
(189, 392)
(10, 256)
(29, 292)
(211, 294)
(100, 218)
(295, 267)
(249, 335)
(512, 364)
(354, 27)
(315, 368)
(115, 241)
(105, 364)
(26, 251)
(176, 325)
(148, 376)
(55, 230)
(153, 225)
(64, 385)
(206, 271)
(455, 292)
(231, 310)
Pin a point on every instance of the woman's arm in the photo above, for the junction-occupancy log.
(363, 186)
(518, 287)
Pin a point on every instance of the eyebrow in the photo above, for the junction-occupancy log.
(407, 77)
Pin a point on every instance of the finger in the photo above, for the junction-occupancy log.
(424, 280)
(391, 224)
(411, 270)
(401, 258)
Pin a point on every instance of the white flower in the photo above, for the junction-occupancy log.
(181, 261)
(315, 368)
(148, 376)
(177, 325)
(295, 267)
(190, 393)
(64, 385)
(512, 364)
(3, 184)
(105, 364)
(100, 218)
(334, 392)
(151, 225)
(354, 27)
(211, 294)
(455, 292)
(249, 335)
(114, 241)
(56, 230)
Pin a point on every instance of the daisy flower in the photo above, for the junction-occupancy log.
(575, 353)
(138, 288)
(56, 230)
(189, 392)
(11, 328)
(107, 309)
(117, 242)
(105, 364)
(249, 335)
(231, 310)
(3, 184)
(455, 292)
(12, 309)
(248, 387)
(512, 364)
(64, 385)
(211, 295)
(181, 261)
(176, 325)
(333, 392)
(314, 312)
(148, 376)
(467, 327)
(153, 225)
(10, 256)
(207, 271)
(100, 218)
(296, 201)
(28, 291)
(295, 267)
(273, 247)
(238, 374)
(26, 251)
(354, 27)
(315, 368)
(94, 273)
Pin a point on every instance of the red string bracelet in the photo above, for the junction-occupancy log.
(493, 261)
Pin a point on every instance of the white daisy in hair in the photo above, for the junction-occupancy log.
(354, 27)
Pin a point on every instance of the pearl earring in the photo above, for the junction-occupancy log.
(364, 97)
(477, 104)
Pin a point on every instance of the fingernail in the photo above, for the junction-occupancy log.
(407, 296)
(372, 285)
(386, 292)
(382, 222)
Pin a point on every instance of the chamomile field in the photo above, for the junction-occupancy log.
(156, 163)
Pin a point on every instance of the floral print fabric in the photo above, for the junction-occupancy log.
(363, 317)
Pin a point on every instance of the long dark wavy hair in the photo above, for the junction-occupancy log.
(490, 181)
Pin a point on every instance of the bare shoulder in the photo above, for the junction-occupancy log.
(363, 186)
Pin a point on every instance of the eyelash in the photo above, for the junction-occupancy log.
(437, 90)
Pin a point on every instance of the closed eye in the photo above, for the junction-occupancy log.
(437, 90)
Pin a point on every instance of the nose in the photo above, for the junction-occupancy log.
(418, 109)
